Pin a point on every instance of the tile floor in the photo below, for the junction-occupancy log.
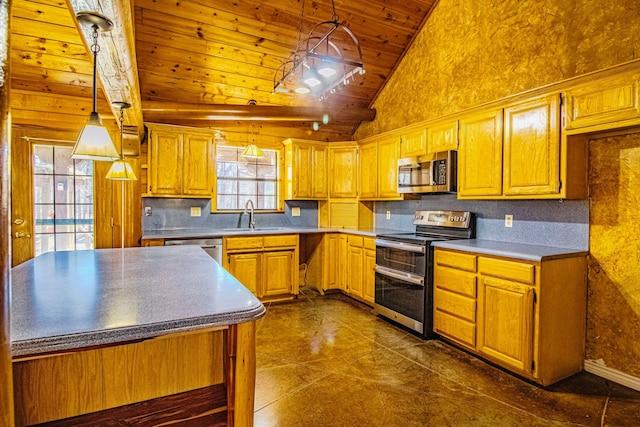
(328, 361)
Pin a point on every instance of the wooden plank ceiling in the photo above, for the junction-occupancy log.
(194, 56)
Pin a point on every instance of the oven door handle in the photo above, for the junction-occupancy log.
(405, 277)
(400, 245)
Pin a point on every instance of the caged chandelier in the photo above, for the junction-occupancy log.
(326, 61)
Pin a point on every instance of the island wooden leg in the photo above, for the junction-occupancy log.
(241, 374)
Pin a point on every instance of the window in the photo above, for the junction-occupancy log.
(240, 179)
(63, 200)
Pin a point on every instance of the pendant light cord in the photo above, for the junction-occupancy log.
(121, 133)
(95, 48)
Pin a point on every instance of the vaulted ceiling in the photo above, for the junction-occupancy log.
(199, 63)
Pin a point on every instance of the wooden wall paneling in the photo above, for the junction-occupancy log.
(103, 206)
(22, 249)
(6, 374)
(241, 372)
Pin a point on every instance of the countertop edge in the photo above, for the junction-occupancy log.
(213, 233)
(64, 343)
(522, 251)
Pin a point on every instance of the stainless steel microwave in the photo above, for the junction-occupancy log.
(431, 173)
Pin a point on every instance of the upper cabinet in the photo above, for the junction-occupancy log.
(378, 164)
(181, 162)
(306, 166)
(343, 164)
(442, 136)
(414, 142)
(480, 155)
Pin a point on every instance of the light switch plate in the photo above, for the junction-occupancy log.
(295, 211)
(196, 211)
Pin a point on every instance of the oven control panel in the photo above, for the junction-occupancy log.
(458, 219)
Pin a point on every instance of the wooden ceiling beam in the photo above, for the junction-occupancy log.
(154, 111)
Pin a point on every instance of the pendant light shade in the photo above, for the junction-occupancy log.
(94, 142)
(252, 151)
(121, 170)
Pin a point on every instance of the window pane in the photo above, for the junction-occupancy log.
(227, 202)
(43, 188)
(267, 188)
(227, 187)
(84, 241)
(268, 159)
(64, 219)
(84, 218)
(267, 172)
(246, 170)
(42, 159)
(266, 202)
(63, 162)
(84, 167)
(227, 169)
(227, 154)
(64, 189)
(247, 187)
(65, 242)
(84, 189)
(45, 243)
(44, 218)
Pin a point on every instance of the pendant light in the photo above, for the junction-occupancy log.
(121, 170)
(94, 142)
(252, 151)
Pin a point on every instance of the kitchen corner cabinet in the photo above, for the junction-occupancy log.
(266, 265)
(528, 317)
(181, 162)
(343, 164)
(307, 176)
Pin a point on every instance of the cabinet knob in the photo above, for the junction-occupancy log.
(22, 235)
(18, 221)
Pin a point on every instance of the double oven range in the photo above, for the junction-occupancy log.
(404, 268)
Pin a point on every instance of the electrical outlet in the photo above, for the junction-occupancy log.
(147, 211)
(196, 211)
(295, 211)
(388, 214)
(508, 220)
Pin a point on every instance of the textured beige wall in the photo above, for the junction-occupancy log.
(475, 51)
(613, 320)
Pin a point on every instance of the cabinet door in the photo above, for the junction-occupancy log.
(319, 186)
(343, 162)
(246, 268)
(277, 270)
(342, 268)
(388, 154)
(333, 262)
(355, 260)
(507, 322)
(368, 164)
(442, 137)
(532, 147)
(480, 155)
(302, 178)
(165, 163)
(197, 165)
(414, 143)
(369, 273)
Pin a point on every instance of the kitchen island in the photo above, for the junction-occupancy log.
(163, 334)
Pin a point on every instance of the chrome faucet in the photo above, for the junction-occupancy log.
(252, 219)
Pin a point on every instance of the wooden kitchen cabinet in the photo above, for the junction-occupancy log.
(368, 165)
(334, 254)
(378, 165)
(442, 136)
(360, 268)
(414, 142)
(181, 162)
(532, 147)
(266, 265)
(480, 155)
(343, 164)
(525, 316)
(369, 271)
(306, 165)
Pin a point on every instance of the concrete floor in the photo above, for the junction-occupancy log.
(328, 361)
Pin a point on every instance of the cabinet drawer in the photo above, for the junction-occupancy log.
(357, 241)
(455, 281)
(456, 260)
(453, 327)
(280, 241)
(510, 270)
(236, 243)
(369, 243)
(455, 304)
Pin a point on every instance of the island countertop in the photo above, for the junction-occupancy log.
(69, 300)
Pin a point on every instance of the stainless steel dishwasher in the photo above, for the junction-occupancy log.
(211, 246)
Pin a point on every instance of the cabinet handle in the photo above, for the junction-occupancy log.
(21, 235)
(18, 221)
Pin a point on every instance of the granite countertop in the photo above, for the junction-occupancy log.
(224, 232)
(510, 250)
(76, 299)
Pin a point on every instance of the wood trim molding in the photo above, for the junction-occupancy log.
(596, 368)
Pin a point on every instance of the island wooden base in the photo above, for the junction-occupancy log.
(205, 375)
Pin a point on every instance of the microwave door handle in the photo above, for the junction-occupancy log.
(401, 246)
(409, 278)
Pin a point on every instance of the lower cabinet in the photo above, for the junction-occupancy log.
(266, 265)
(361, 260)
(528, 317)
